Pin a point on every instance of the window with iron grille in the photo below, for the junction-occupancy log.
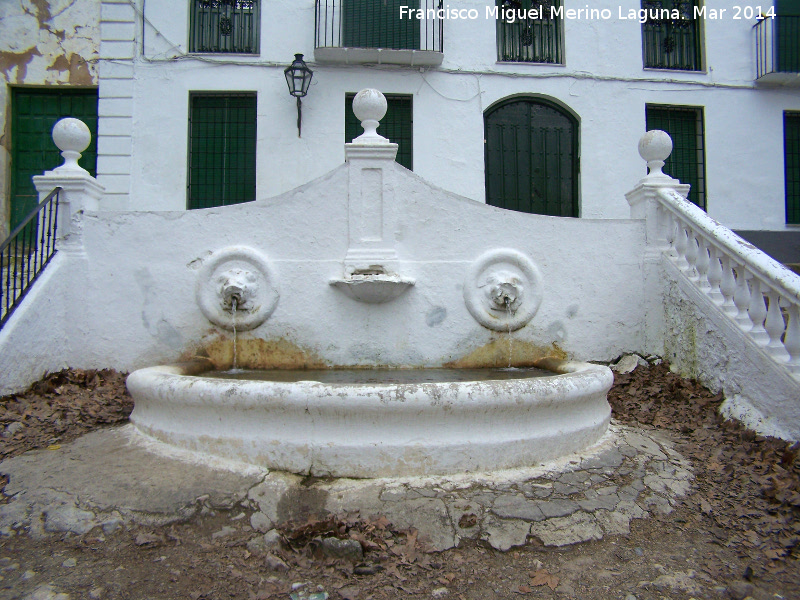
(224, 26)
(377, 24)
(670, 43)
(791, 150)
(687, 162)
(397, 125)
(222, 149)
(529, 31)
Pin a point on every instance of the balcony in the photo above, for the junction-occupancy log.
(379, 32)
(778, 51)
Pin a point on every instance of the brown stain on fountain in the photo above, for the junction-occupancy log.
(279, 353)
(495, 354)
(254, 353)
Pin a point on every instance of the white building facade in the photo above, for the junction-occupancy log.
(465, 86)
(527, 104)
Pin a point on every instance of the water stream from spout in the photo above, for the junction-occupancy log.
(234, 367)
(510, 314)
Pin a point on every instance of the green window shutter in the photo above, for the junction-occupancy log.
(788, 35)
(377, 24)
(222, 149)
(531, 158)
(224, 26)
(397, 125)
(530, 40)
(672, 44)
(34, 112)
(687, 161)
(791, 149)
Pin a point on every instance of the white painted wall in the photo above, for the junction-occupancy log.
(602, 82)
(124, 297)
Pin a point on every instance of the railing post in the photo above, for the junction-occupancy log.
(80, 191)
(654, 147)
(660, 233)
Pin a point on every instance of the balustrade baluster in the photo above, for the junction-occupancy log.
(741, 298)
(792, 340)
(714, 275)
(703, 262)
(727, 286)
(758, 313)
(692, 253)
(680, 246)
(670, 222)
(775, 326)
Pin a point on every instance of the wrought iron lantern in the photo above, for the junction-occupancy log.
(298, 78)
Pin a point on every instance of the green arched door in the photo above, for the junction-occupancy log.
(531, 157)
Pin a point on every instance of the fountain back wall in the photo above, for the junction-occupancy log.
(124, 290)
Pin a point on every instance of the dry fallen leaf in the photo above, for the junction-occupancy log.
(543, 577)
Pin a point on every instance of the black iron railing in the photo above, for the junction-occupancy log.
(530, 32)
(778, 45)
(671, 43)
(388, 24)
(224, 26)
(26, 252)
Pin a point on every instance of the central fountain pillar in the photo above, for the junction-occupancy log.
(370, 209)
(371, 269)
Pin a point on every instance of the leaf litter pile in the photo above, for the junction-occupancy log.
(62, 407)
(748, 486)
(742, 517)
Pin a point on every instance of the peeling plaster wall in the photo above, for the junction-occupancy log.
(42, 43)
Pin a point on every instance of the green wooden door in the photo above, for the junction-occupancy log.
(34, 112)
(531, 158)
(788, 34)
(684, 124)
(377, 24)
(222, 149)
(397, 126)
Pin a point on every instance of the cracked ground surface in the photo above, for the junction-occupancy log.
(733, 534)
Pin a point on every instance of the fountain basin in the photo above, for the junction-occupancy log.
(398, 426)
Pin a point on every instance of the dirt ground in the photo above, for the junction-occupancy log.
(736, 535)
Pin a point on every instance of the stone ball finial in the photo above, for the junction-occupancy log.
(369, 107)
(72, 137)
(655, 146)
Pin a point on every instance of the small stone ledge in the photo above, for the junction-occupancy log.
(630, 474)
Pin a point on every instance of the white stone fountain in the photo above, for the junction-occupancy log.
(398, 412)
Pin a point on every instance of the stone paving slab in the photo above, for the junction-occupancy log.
(118, 477)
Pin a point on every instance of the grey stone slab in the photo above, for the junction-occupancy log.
(610, 459)
(505, 534)
(607, 502)
(518, 507)
(579, 527)
(566, 490)
(574, 477)
(645, 444)
(537, 490)
(116, 469)
(558, 508)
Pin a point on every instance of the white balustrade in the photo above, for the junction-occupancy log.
(752, 286)
(749, 287)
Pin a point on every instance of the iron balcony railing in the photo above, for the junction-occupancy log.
(386, 24)
(778, 45)
(26, 252)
